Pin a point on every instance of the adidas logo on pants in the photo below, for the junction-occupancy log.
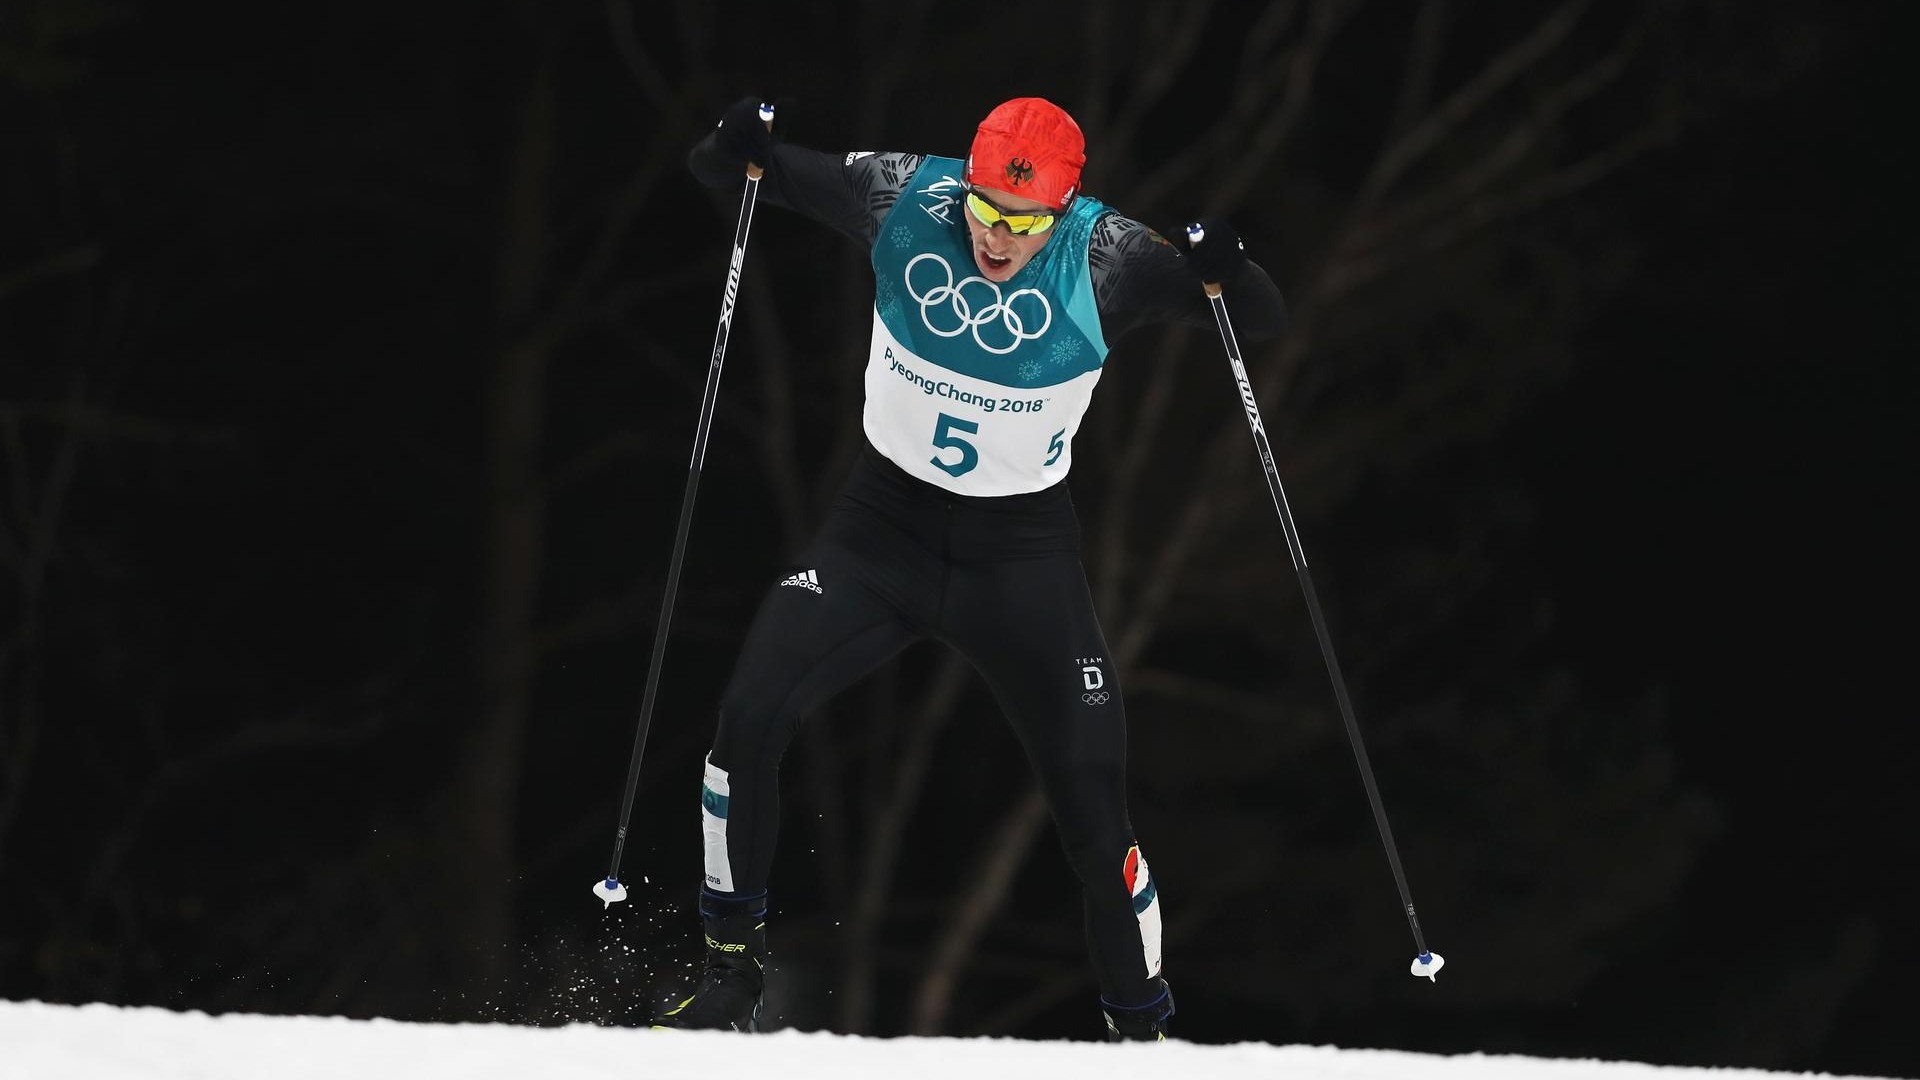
(806, 579)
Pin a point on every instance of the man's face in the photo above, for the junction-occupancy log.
(997, 251)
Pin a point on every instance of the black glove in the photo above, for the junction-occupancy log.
(1213, 251)
(743, 135)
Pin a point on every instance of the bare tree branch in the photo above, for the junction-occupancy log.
(1095, 102)
(13, 551)
(1261, 77)
(100, 423)
(40, 524)
(883, 844)
(303, 730)
(896, 39)
(1423, 59)
(1256, 160)
(646, 74)
(1000, 858)
(1123, 479)
(76, 260)
(1149, 682)
(1479, 215)
(776, 430)
(1174, 40)
(1519, 144)
(1402, 153)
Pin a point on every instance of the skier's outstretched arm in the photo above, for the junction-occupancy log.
(850, 193)
(1142, 278)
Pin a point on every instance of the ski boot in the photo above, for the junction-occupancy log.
(1139, 1023)
(732, 991)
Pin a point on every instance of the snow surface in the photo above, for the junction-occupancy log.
(57, 1042)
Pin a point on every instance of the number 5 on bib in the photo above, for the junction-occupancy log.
(944, 439)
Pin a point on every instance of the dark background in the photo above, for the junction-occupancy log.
(349, 363)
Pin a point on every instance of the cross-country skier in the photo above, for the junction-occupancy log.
(999, 287)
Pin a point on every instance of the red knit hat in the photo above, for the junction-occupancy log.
(1029, 147)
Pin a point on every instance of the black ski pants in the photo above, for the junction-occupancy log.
(999, 580)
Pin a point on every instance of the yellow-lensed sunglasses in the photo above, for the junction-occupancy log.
(1026, 223)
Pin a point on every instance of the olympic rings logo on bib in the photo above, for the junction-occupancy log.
(950, 297)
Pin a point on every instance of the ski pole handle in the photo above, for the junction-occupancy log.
(1195, 234)
(755, 172)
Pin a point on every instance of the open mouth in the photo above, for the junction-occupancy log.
(992, 262)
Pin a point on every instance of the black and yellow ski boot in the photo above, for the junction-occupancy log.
(733, 989)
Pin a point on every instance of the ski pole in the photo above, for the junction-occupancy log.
(1428, 962)
(611, 890)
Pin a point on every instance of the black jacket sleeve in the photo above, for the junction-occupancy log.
(850, 193)
(1138, 280)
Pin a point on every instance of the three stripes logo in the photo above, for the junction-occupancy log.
(805, 579)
